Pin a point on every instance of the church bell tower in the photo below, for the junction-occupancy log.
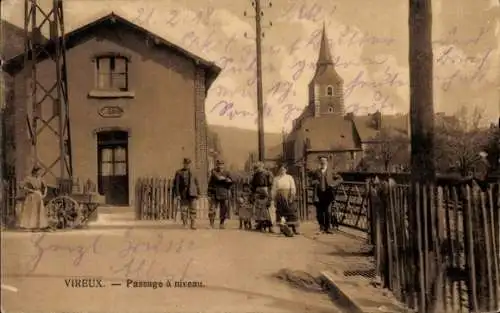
(326, 89)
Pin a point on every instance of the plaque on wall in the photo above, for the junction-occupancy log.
(111, 112)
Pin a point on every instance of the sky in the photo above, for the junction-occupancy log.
(368, 40)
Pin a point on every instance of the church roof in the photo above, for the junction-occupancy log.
(325, 67)
(329, 133)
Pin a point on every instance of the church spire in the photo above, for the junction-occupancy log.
(325, 56)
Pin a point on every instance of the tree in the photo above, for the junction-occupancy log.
(388, 151)
(459, 139)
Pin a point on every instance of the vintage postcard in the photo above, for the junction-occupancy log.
(251, 156)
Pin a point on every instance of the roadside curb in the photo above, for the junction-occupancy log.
(343, 300)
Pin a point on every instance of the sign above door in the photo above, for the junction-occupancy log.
(111, 112)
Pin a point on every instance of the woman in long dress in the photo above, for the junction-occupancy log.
(283, 194)
(34, 215)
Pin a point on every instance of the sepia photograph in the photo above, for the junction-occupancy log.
(250, 156)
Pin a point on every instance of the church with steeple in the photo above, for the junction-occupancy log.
(326, 88)
(325, 129)
(326, 94)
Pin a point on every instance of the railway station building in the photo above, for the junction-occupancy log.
(136, 108)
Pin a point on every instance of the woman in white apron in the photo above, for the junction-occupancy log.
(283, 193)
(34, 215)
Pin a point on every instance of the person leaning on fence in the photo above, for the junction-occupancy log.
(283, 194)
(261, 183)
(219, 186)
(187, 190)
(482, 171)
(324, 181)
(33, 214)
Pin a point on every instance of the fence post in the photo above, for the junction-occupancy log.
(377, 241)
(438, 300)
(493, 213)
(384, 237)
(372, 217)
(469, 250)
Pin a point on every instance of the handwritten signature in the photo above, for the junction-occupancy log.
(158, 244)
(147, 268)
(77, 252)
(131, 248)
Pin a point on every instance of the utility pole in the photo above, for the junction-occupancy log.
(259, 34)
(428, 269)
(421, 91)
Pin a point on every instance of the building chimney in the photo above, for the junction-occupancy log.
(377, 120)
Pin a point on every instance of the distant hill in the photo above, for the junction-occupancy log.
(237, 143)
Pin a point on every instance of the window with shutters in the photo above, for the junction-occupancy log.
(111, 73)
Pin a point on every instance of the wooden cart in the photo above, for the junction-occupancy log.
(69, 210)
(71, 206)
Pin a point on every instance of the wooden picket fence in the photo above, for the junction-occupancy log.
(442, 253)
(155, 200)
(8, 202)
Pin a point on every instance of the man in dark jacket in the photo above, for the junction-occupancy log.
(186, 191)
(324, 181)
(219, 186)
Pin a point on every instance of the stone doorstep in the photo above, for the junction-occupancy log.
(353, 296)
(128, 219)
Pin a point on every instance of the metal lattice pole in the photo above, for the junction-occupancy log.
(43, 118)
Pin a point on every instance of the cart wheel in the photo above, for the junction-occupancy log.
(64, 212)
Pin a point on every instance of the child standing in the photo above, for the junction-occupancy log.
(245, 207)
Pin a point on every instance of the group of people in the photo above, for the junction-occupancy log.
(267, 200)
(187, 191)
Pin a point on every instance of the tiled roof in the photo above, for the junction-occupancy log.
(364, 127)
(110, 21)
(329, 132)
(397, 124)
(12, 40)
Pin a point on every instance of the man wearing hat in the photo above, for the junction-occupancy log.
(187, 190)
(324, 181)
(219, 186)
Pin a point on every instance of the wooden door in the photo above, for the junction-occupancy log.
(113, 173)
